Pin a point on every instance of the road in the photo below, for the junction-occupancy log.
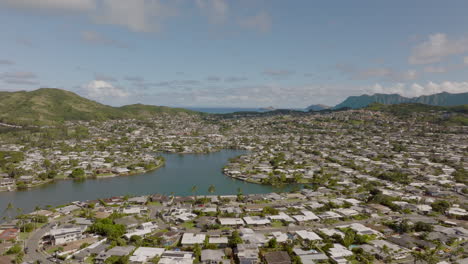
(32, 243)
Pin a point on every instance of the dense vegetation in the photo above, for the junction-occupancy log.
(48, 106)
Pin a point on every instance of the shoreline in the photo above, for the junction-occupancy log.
(51, 181)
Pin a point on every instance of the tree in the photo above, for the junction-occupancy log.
(440, 206)
(348, 238)
(235, 239)
(273, 243)
(194, 190)
(423, 227)
(8, 210)
(196, 253)
(78, 173)
(212, 189)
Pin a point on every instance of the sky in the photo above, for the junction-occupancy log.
(234, 53)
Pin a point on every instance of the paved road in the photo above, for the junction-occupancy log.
(32, 244)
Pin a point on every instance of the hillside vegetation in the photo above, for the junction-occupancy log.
(47, 106)
(447, 115)
(440, 99)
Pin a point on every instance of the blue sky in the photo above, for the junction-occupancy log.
(244, 53)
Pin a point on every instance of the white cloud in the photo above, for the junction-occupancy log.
(260, 22)
(433, 69)
(63, 5)
(101, 89)
(415, 89)
(136, 15)
(436, 48)
(465, 60)
(217, 10)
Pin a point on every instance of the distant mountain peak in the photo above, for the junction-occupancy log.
(317, 107)
(439, 99)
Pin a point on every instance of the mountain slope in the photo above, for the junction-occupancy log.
(47, 106)
(317, 107)
(440, 99)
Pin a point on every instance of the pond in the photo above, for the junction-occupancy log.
(180, 173)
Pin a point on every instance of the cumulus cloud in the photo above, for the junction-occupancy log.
(416, 89)
(217, 10)
(102, 89)
(260, 22)
(59, 5)
(96, 38)
(437, 47)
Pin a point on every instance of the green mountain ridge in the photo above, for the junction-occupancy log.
(439, 99)
(50, 106)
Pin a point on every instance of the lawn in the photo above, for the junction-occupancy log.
(276, 224)
(188, 225)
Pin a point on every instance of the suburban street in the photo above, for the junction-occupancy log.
(32, 243)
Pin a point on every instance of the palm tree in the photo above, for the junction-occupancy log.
(212, 189)
(194, 191)
(418, 256)
(8, 210)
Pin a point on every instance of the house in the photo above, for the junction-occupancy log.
(307, 235)
(346, 212)
(280, 237)
(361, 229)
(310, 256)
(176, 257)
(277, 257)
(247, 253)
(281, 217)
(144, 254)
(330, 232)
(68, 209)
(220, 241)
(7, 183)
(256, 220)
(94, 248)
(65, 235)
(190, 239)
(396, 251)
(82, 221)
(9, 234)
(306, 216)
(250, 236)
(138, 200)
(329, 215)
(128, 221)
(338, 253)
(135, 210)
(212, 256)
(115, 251)
(457, 212)
(231, 221)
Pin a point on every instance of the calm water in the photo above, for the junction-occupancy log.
(179, 174)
